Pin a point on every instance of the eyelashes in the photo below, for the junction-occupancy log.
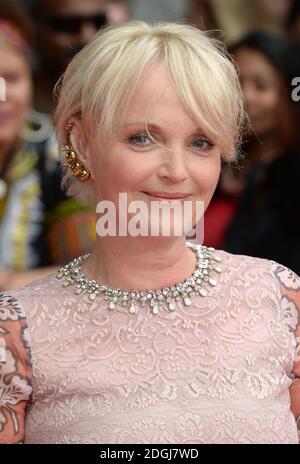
(140, 140)
(144, 140)
(203, 145)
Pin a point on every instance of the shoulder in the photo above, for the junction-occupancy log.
(15, 369)
(244, 265)
(36, 306)
(37, 292)
(247, 274)
(270, 273)
(287, 278)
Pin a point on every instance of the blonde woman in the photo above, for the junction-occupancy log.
(151, 339)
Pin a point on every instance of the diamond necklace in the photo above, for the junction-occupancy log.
(166, 298)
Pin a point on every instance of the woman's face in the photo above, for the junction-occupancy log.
(262, 87)
(15, 72)
(183, 164)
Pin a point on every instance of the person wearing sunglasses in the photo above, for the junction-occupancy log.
(63, 28)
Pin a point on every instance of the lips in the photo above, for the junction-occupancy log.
(167, 196)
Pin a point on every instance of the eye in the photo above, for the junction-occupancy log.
(140, 140)
(201, 144)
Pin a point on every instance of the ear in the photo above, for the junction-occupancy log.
(79, 142)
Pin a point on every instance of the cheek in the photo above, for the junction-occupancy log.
(130, 168)
(21, 95)
(19, 101)
(120, 172)
(206, 175)
(271, 100)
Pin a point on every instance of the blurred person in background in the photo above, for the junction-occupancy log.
(266, 223)
(201, 13)
(63, 28)
(286, 13)
(232, 18)
(31, 200)
(278, 10)
(158, 10)
(293, 21)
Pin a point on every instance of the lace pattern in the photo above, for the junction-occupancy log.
(15, 370)
(223, 370)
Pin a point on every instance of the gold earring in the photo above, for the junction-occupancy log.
(71, 160)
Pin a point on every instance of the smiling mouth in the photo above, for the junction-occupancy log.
(167, 196)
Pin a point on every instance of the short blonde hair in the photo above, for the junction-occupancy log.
(104, 75)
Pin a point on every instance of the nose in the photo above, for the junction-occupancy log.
(173, 168)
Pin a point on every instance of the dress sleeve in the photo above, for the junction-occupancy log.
(15, 371)
(290, 300)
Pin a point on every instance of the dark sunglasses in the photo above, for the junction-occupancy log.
(73, 24)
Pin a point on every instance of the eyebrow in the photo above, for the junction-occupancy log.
(143, 123)
(151, 125)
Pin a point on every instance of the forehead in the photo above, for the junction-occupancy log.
(253, 62)
(11, 60)
(73, 7)
(155, 93)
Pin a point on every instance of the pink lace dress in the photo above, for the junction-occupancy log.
(223, 370)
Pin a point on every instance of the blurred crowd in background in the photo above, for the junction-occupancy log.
(256, 206)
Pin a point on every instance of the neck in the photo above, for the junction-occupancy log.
(140, 263)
